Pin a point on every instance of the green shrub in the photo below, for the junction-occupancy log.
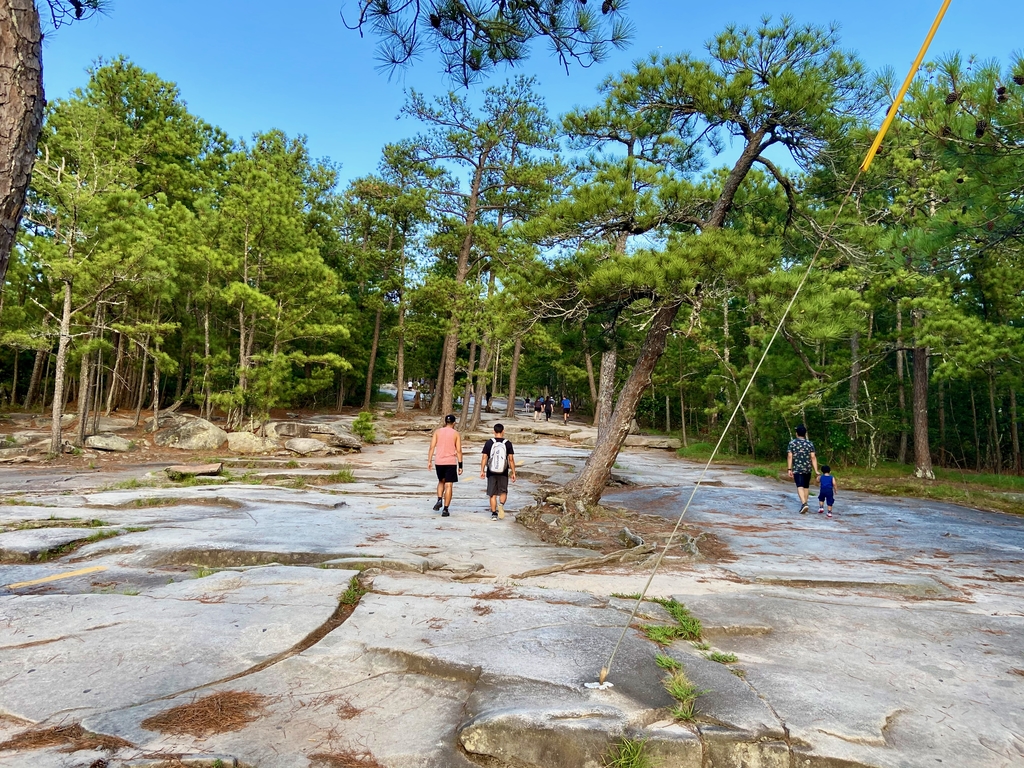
(629, 753)
(363, 426)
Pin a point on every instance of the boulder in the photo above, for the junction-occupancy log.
(191, 434)
(648, 441)
(108, 443)
(182, 471)
(336, 435)
(247, 442)
(306, 445)
(289, 429)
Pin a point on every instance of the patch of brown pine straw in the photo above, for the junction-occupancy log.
(344, 760)
(217, 713)
(72, 738)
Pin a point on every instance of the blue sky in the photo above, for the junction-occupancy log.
(258, 65)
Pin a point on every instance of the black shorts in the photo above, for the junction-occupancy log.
(802, 480)
(447, 473)
(497, 485)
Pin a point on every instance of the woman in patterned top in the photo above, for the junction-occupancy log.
(801, 459)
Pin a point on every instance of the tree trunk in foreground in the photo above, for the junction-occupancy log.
(922, 450)
(590, 381)
(510, 411)
(605, 391)
(21, 114)
(586, 488)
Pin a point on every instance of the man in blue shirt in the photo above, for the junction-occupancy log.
(800, 460)
(566, 409)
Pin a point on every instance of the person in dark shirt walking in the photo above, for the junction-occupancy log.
(498, 465)
(801, 459)
(827, 493)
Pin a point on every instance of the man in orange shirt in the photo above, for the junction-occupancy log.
(445, 454)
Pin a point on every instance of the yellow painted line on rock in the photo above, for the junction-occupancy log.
(58, 576)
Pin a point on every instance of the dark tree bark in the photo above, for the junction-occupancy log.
(37, 373)
(902, 391)
(1014, 434)
(21, 114)
(517, 350)
(922, 450)
(605, 390)
(468, 388)
(993, 432)
(373, 361)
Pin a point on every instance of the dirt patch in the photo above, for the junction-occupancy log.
(482, 610)
(344, 760)
(1019, 672)
(218, 713)
(71, 738)
(601, 531)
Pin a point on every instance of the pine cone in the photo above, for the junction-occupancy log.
(946, 132)
(606, 6)
(1000, 90)
(953, 97)
(979, 128)
(435, 21)
(1018, 79)
(1001, 98)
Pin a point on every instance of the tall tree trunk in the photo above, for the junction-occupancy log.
(590, 380)
(142, 382)
(481, 383)
(901, 388)
(922, 449)
(1014, 434)
(854, 382)
(14, 378)
(468, 388)
(435, 399)
(37, 372)
(400, 358)
(586, 488)
(57, 411)
(156, 391)
(84, 397)
(606, 390)
(21, 115)
(114, 392)
(373, 360)
(977, 436)
(513, 376)
(942, 424)
(206, 362)
(997, 451)
(682, 413)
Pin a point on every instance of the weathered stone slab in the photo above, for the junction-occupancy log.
(28, 545)
(181, 471)
(652, 441)
(108, 443)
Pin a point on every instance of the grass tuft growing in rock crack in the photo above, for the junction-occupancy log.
(685, 693)
(687, 626)
(629, 753)
(354, 592)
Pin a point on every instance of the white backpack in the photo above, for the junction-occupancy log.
(498, 459)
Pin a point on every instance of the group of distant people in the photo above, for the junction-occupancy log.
(498, 464)
(546, 406)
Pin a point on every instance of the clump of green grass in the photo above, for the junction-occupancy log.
(363, 426)
(343, 475)
(202, 572)
(629, 753)
(722, 658)
(355, 591)
(665, 661)
(702, 646)
(662, 634)
(689, 627)
(760, 472)
(685, 693)
(623, 596)
(71, 546)
(292, 464)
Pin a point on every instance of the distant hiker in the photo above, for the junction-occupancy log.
(549, 406)
(446, 454)
(800, 459)
(487, 401)
(566, 409)
(538, 406)
(827, 493)
(497, 464)
(527, 401)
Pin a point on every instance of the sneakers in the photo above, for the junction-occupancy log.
(445, 513)
(501, 511)
(804, 509)
(821, 510)
(438, 505)
(829, 514)
(494, 515)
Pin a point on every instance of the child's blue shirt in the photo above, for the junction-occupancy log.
(826, 484)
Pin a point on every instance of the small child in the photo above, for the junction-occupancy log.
(827, 494)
